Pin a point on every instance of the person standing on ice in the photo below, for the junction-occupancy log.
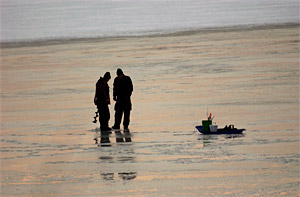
(122, 95)
(102, 100)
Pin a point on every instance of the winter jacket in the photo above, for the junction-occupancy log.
(123, 89)
(102, 93)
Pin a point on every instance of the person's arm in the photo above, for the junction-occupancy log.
(106, 94)
(115, 89)
(130, 86)
(95, 97)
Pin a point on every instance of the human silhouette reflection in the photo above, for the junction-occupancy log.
(105, 141)
(125, 137)
(110, 176)
(104, 138)
(125, 176)
(119, 136)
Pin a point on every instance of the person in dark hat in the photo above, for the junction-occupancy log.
(102, 100)
(122, 95)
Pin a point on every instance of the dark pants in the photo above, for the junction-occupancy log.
(122, 108)
(104, 116)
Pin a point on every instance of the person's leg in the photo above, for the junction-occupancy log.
(106, 117)
(101, 117)
(126, 120)
(118, 116)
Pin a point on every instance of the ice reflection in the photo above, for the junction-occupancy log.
(123, 154)
(125, 137)
(232, 136)
(108, 176)
(105, 137)
(126, 176)
(209, 139)
(106, 159)
(119, 159)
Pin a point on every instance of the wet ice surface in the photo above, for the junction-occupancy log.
(246, 78)
(165, 162)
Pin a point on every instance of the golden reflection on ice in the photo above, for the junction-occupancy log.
(246, 78)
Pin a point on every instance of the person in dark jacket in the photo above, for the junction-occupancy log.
(121, 94)
(102, 100)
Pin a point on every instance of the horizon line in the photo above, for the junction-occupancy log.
(70, 40)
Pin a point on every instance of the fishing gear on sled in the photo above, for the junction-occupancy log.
(208, 127)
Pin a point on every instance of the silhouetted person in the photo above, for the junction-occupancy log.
(102, 100)
(121, 93)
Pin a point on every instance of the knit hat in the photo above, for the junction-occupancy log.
(119, 72)
(107, 75)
